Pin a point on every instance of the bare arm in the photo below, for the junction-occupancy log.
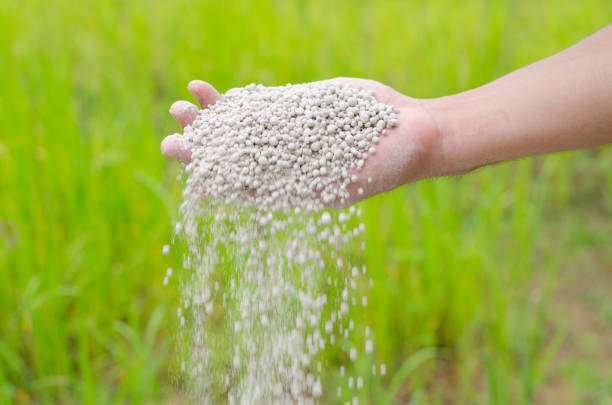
(558, 103)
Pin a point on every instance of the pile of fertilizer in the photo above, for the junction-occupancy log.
(280, 147)
(269, 287)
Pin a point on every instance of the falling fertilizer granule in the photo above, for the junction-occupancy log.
(269, 286)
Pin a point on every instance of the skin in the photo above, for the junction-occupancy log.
(559, 103)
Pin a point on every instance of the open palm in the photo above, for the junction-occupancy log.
(405, 154)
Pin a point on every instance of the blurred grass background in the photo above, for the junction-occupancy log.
(495, 287)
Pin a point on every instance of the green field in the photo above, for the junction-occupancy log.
(492, 288)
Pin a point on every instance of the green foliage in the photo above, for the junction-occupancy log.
(86, 199)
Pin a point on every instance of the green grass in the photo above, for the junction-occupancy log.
(463, 268)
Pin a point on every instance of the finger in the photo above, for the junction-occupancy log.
(204, 92)
(171, 146)
(184, 112)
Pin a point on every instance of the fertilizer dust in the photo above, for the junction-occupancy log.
(269, 286)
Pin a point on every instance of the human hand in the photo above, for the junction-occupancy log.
(408, 152)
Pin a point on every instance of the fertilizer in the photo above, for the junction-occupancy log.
(269, 287)
(284, 147)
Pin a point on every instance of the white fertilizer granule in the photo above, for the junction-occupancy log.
(283, 147)
(269, 286)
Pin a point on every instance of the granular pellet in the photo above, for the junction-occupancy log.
(285, 147)
(268, 284)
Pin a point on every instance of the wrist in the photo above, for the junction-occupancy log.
(463, 144)
(418, 141)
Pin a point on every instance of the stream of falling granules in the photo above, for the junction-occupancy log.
(269, 285)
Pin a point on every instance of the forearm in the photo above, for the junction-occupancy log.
(559, 103)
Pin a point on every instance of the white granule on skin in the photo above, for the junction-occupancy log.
(264, 258)
(285, 147)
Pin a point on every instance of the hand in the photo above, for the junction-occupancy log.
(408, 152)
